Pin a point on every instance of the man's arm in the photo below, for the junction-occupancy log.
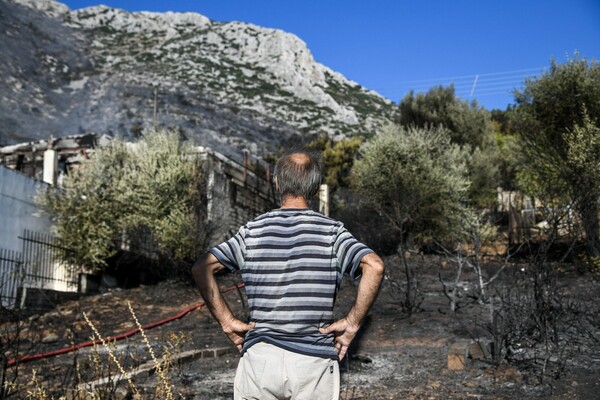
(204, 275)
(346, 328)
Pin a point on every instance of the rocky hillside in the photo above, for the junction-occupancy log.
(226, 85)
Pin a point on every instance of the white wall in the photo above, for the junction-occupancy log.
(17, 208)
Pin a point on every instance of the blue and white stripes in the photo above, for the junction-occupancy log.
(292, 262)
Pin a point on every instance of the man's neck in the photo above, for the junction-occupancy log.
(294, 202)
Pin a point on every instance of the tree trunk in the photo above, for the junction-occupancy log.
(591, 226)
(411, 289)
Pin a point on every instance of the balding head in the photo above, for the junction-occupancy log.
(298, 175)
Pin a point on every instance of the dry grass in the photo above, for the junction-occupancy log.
(98, 375)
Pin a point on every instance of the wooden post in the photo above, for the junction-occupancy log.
(257, 176)
(245, 165)
(50, 166)
(268, 178)
(324, 199)
(155, 109)
(3, 367)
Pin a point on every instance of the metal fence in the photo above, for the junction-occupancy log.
(11, 277)
(42, 268)
(36, 266)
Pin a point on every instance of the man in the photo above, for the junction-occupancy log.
(292, 261)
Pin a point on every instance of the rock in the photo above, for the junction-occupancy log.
(507, 373)
(476, 350)
(79, 326)
(108, 281)
(501, 249)
(127, 325)
(488, 251)
(435, 384)
(361, 358)
(50, 338)
(457, 355)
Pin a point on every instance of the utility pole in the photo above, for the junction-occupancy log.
(155, 108)
(474, 84)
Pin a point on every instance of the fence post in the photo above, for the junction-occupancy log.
(3, 367)
(324, 199)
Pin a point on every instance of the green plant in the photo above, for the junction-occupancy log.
(415, 179)
(146, 197)
(338, 158)
(468, 125)
(557, 118)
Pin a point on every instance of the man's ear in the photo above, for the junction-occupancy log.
(276, 185)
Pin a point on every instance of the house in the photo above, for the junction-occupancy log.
(236, 191)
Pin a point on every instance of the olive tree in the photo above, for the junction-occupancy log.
(557, 118)
(146, 195)
(416, 179)
(468, 125)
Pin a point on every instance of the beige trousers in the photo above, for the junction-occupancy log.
(267, 372)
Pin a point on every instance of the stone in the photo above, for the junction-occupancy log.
(476, 350)
(507, 373)
(501, 249)
(457, 355)
(50, 338)
(221, 351)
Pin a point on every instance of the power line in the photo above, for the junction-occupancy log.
(500, 83)
(470, 77)
(480, 84)
(458, 91)
(485, 82)
(458, 86)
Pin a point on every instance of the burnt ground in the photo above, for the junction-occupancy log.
(395, 357)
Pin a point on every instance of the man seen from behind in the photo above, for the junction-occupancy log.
(292, 261)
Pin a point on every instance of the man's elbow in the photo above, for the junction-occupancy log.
(379, 266)
(201, 267)
(374, 264)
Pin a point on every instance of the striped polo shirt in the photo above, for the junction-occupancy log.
(292, 262)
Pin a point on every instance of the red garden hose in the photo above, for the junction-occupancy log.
(33, 357)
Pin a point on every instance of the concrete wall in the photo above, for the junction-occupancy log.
(235, 196)
(17, 208)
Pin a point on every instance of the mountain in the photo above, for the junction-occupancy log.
(225, 85)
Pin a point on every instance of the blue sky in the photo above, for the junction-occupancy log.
(392, 46)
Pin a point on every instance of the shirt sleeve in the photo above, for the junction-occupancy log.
(349, 252)
(231, 252)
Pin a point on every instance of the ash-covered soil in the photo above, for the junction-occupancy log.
(395, 357)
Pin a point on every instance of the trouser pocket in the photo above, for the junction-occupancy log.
(318, 379)
(248, 376)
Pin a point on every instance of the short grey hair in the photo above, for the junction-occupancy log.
(298, 174)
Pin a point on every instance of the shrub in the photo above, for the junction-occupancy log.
(415, 177)
(146, 197)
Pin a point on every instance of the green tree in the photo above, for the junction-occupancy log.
(468, 125)
(508, 149)
(416, 178)
(148, 195)
(583, 173)
(557, 118)
(338, 157)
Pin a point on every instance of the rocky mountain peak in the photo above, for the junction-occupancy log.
(226, 85)
(144, 21)
(49, 7)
